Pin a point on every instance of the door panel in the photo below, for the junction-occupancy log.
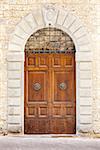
(37, 85)
(50, 93)
(43, 61)
(62, 86)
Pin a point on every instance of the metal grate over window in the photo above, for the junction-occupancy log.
(49, 40)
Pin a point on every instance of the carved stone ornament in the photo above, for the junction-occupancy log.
(50, 13)
(62, 86)
(36, 86)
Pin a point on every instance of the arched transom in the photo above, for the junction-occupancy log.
(49, 40)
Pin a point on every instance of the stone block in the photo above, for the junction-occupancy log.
(61, 16)
(80, 32)
(15, 56)
(14, 101)
(14, 47)
(50, 15)
(19, 31)
(86, 83)
(85, 128)
(17, 40)
(85, 74)
(12, 2)
(69, 21)
(86, 119)
(14, 92)
(75, 26)
(31, 21)
(14, 128)
(14, 74)
(14, 110)
(86, 66)
(14, 83)
(85, 110)
(85, 92)
(25, 26)
(14, 119)
(84, 48)
(84, 56)
(83, 40)
(37, 14)
(85, 101)
(14, 66)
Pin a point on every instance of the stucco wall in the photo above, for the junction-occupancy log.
(12, 11)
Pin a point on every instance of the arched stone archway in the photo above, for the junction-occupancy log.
(64, 20)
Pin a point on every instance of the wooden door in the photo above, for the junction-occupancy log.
(50, 93)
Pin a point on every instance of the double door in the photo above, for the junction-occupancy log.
(49, 94)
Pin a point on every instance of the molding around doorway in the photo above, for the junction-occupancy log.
(45, 16)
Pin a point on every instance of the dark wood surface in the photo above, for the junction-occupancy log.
(50, 105)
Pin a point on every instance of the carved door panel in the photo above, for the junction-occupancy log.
(63, 94)
(50, 93)
(37, 95)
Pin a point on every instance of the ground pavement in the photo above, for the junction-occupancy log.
(48, 143)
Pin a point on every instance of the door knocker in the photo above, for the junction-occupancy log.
(36, 86)
(62, 86)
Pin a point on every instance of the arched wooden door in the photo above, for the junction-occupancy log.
(50, 92)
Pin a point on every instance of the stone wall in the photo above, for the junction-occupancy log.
(49, 39)
(12, 11)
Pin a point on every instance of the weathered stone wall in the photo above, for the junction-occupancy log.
(12, 11)
(49, 39)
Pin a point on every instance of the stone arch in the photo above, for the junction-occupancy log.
(64, 20)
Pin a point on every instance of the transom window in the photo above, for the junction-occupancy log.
(49, 40)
